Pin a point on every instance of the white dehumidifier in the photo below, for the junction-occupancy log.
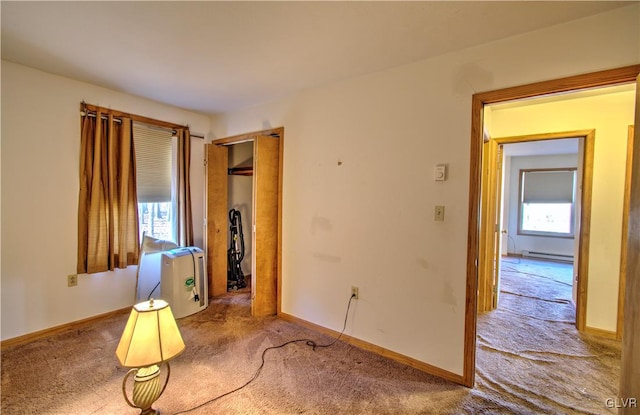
(183, 281)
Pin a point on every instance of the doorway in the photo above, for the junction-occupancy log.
(537, 168)
(240, 207)
(262, 229)
(474, 243)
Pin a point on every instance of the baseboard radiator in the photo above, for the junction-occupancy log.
(547, 255)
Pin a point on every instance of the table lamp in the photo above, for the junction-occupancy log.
(150, 338)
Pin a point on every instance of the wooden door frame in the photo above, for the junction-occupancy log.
(630, 364)
(241, 138)
(625, 237)
(626, 74)
(585, 214)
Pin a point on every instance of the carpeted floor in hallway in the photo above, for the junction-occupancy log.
(530, 357)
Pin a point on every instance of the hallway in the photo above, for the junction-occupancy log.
(530, 354)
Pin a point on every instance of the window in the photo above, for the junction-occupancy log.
(134, 179)
(153, 150)
(546, 202)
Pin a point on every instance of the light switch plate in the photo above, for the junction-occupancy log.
(440, 173)
(438, 213)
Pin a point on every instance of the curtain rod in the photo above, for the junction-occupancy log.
(119, 121)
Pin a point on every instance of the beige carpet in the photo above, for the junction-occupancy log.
(530, 360)
(529, 350)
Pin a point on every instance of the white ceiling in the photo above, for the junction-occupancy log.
(542, 148)
(220, 56)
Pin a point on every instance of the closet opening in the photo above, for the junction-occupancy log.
(239, 206)
(244, 179)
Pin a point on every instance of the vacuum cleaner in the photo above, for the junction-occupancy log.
(235, 253)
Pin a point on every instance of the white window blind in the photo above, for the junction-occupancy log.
(554, 186)
(153, 163)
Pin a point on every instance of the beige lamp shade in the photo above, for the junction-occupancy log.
(151, 335)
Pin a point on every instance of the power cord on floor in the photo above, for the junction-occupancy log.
(308, 342)
(514, 249)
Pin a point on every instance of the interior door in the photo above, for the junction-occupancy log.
(625, 238)
(217, 219)
(630, 366)
(489, 254)
(484, 286)
(497, 229)
(264, 271)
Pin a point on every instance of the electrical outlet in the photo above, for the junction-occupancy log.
(354, 292)
(72, 280)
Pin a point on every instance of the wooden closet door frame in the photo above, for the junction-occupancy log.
(241, 138)
(264, 269)
(217, 224)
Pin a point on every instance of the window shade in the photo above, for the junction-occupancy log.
(554, 186)
(153, 163)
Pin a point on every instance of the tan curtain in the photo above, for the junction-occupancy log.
(107, 207)
(184, 220)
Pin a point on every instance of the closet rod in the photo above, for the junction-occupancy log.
(119, 121)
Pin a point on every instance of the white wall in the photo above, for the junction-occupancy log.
(369, 222)
(40, 182)
(610, 115)
(517, 243)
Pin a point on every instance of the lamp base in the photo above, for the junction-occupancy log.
(146, 388)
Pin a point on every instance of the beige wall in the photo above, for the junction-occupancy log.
(610, 115)
(40, 162)
(369, 221)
